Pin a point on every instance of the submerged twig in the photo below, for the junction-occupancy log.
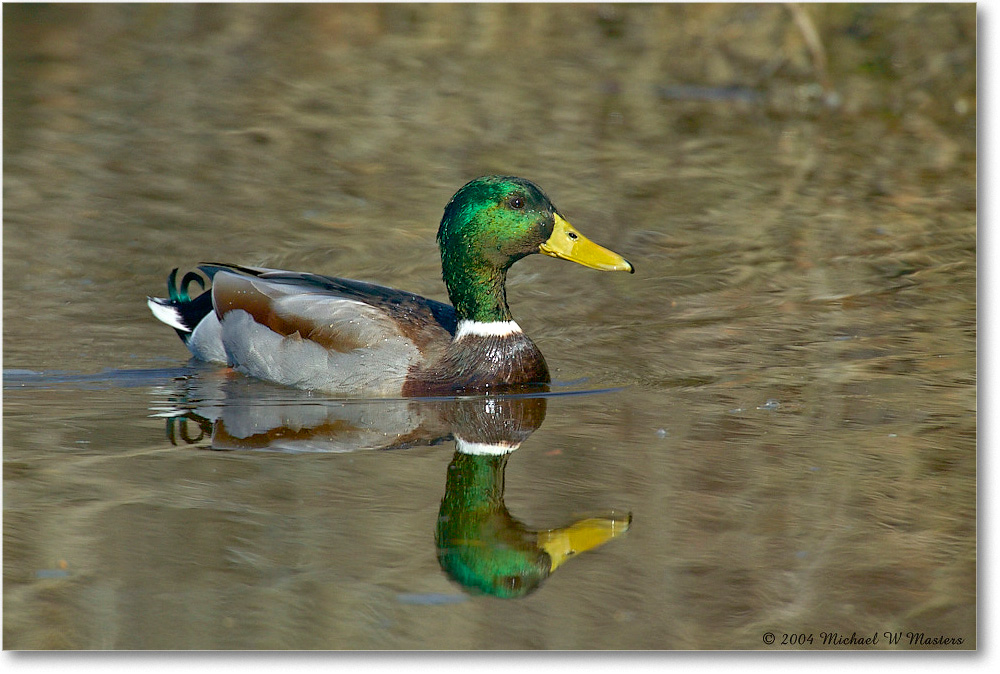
(813, 42)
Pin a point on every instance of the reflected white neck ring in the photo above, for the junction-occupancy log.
(484, 448)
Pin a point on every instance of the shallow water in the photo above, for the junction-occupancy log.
(782, 398)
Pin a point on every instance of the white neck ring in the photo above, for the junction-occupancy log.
(492, 329)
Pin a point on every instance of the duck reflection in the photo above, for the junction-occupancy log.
(484, 548)
(479, 543)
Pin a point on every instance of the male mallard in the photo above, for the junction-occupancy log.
(356, 338)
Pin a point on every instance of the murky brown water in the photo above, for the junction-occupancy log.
(794, 432)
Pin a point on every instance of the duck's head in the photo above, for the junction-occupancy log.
(492, 222)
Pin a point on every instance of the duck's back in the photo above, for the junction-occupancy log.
(318, 332)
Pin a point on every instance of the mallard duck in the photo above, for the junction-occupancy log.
(355, 338)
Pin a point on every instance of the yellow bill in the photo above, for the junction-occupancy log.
(561, 544)
(569, 244)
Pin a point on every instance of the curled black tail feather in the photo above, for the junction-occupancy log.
(181, 294)
(180, 311)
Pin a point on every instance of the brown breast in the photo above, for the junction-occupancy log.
(477, 364)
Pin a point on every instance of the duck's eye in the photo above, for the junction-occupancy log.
(516, 203)
(571, 235)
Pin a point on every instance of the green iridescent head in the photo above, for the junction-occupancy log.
(492, 222)
(495, 221)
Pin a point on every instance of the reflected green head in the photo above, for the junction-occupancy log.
(495, 567)
(479, 544)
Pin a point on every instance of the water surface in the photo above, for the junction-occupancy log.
(787, 405)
